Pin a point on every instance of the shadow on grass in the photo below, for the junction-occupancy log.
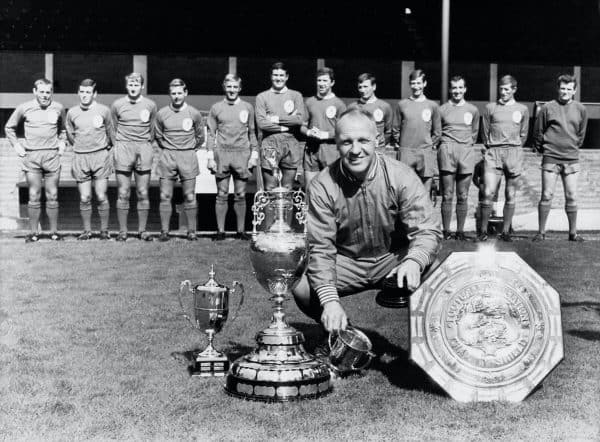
(588, 335)
(392, 361)
(586, 305)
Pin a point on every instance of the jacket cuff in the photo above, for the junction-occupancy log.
(327, 293)
(421, 258)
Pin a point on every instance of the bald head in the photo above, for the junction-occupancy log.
(356, 117)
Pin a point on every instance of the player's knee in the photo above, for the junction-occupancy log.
(547, 196)
(462, 197)
(52, 195)
(142, 194)
(571, 198)
(240, 196)
(189, 198)
(165, 196)
(222, 197)
(447, 195)
(35, 195)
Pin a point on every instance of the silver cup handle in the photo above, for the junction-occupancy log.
(237, 286)
(182, 286)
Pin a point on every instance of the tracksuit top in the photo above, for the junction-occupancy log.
(134, 121)
(388, 212)
(460, 123)
(287, 104)
(231, 126)
(417, 124)
(383, 115)
(505, 125)
(43, 126)
(179, 129)
(91, 129)
(559, 131)
(323, 114)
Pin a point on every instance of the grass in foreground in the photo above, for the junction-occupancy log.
(92, 346)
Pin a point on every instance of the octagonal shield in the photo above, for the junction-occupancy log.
(485, 326)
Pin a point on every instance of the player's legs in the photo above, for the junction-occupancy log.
(85, 206)
(510, 192)
(142, 184)
(165, 207)
(447, 181)
(34, 182)
(549, 179)
(463, 181)
(51, 186)
(489, 188)
(239, 206)
(221, 205)
(100, 188)
(190, 206)
(570, 188)
(124, 193)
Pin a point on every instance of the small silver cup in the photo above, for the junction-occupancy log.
(350, 351)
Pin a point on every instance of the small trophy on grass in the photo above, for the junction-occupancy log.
(210, 307)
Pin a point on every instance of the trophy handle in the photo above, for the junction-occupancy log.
(183, 285)
(237, 286)
(370, 355)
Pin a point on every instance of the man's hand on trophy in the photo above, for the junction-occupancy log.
(410, 271)
(334, 317)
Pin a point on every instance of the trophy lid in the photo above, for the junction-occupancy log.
(211, 285)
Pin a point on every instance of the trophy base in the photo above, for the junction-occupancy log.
(392, 296)
(213, 366)
(279, 370)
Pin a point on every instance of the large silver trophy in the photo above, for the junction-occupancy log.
(209, 307)
(279, 369)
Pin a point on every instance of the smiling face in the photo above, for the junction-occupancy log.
(177, 94)
(457, 90)
(507, 92)
(43, 94)
(279, 79)
(417, 87)
(87, 94)
(232, 89)
(566, 92)
(324, 85)
(356, 138)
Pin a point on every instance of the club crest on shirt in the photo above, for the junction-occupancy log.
(97, 121)
(468, 118)
(330, 111)
(145, 115)
(187, 124)
(516, 116)
(288, 106)
(426, 115)
(378, 115)
(244, 116)
(52, 116)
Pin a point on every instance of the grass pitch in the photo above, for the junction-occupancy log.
(93, 346)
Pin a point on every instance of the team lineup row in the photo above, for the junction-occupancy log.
(425, 136)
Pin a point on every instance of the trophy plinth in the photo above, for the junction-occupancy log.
(209, 363)
(279, 369)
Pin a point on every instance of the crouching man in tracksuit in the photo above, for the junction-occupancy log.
(369, 219)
